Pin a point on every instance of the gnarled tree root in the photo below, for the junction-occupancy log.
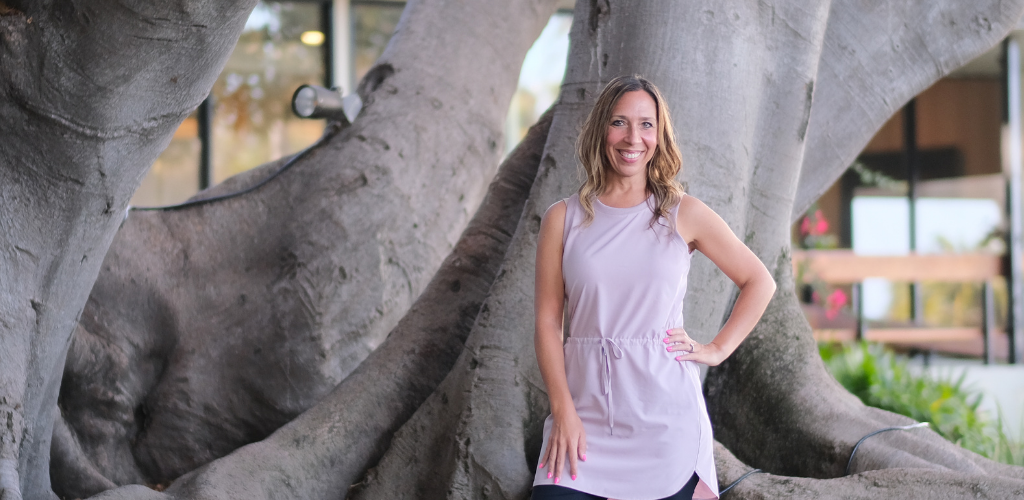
(894, 483)
(323, 451)
(792, 418)
(212, 326)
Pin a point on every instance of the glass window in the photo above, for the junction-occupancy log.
(372, 27)
(943, 225)
(280, 49)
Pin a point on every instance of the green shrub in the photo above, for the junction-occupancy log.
(880, 379)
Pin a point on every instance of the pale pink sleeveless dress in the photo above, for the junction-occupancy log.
(646, 424)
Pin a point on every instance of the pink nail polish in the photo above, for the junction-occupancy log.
(584, 457)
(574, 477)
(556, 480)
(679, 358)
(540, 466)
(669, 349)
(668, 340)
(549, 476)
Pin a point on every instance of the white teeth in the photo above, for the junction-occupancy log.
(630, 156)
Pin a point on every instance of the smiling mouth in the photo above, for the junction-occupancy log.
(630, 155)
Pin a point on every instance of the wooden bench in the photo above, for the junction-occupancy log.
(843, 267)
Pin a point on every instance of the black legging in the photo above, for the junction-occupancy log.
(552, 492)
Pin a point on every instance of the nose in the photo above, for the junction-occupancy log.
(633, 135)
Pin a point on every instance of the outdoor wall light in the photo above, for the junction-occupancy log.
(312, 38)
(314, 101)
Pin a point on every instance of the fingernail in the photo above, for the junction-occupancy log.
(669, 349)
(574, 477)
(549, 477)
(679, 358)
(668, 332)
(541, 466)
(667, 341)
(584, 457)
(556, 480)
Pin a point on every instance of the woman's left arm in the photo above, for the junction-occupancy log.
(704, 230)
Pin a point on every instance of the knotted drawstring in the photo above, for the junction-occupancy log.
(606, 375)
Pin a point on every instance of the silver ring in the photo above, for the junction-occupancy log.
(691, 347)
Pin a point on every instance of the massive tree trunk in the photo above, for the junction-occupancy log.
(211, 326)
(269, 300)
(773, 404)
(90, 93)
(744, 85)
(330, 446)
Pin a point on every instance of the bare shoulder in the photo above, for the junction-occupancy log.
(695, 219)
(690, 205)
(692, 211)
(553, 221)
(556, 209)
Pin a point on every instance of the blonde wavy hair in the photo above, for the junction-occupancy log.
(594, 163)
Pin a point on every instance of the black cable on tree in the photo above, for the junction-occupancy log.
(852, 453)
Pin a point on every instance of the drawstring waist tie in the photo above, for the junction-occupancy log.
(608, 349)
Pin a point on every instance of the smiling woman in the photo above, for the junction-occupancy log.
(632, 135)
(617, 254)
(605, 131)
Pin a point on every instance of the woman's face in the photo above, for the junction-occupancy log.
(632, 134)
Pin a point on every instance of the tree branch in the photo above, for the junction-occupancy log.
(874, 61)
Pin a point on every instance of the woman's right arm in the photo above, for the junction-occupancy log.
(567, 436)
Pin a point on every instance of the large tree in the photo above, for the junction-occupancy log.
(241, 348)
(90, 93)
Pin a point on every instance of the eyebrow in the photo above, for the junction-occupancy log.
(650, 118)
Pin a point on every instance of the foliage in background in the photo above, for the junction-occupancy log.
(880, 379)
(873, 178)
(814, 236)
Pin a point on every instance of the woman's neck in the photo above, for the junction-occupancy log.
(623, 193)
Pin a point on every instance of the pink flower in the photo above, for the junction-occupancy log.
(835, 301)
(805, 226)
(821, 227)
(837, 298)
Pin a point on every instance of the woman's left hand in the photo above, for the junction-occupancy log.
(687, 349)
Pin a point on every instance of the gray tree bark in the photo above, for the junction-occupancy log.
(81, 120)
(871, 64)
(875, 59)
(212, 326)
(898, 483)
(330, 446)
(269, 300)
(743, 82)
